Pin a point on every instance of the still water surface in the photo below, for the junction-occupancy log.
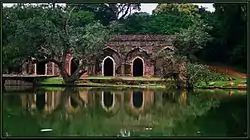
(123, 112)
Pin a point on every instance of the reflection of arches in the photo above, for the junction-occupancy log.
(137, 99)
(73, 65)
(40, 101)
(108, 66)
(138, 66)
(41, 68)
(158, 99)
(73, 103)
(108, 100)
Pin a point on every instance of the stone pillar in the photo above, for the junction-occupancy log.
(53, 68)
(123, 69)
(35, 69)
(25, 68)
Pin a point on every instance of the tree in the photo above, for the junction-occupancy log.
(49, 34)
(229, 32)
(188, 9)
(166, 19)
(109, 12)
(191, 40)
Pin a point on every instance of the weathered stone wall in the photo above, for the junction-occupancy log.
(49, 68)
(123, 49)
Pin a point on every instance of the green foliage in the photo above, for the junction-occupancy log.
(198, 73)
(188, 9)
(45, 31)
(191, 40)
(229, 32)
(168, 23)
(108, 12)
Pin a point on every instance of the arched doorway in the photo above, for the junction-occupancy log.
(138, 67)
(108, 66)
(73, 65)
(137, 99)
(40, 68)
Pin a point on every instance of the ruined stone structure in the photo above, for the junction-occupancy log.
(124, 55)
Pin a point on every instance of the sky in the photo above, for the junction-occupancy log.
(149, 7)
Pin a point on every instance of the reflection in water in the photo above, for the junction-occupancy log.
(40, 101)
(108, 99)
(170, 113)
(137, 99)
(73, 102)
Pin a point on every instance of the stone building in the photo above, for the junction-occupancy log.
(124, 55)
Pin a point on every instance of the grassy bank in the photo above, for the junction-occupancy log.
(140, 82)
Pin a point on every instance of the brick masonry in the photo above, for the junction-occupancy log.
(123, 49)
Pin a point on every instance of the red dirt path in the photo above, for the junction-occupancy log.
(229, 71)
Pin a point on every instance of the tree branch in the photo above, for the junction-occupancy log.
(126, 12)
(67, 21)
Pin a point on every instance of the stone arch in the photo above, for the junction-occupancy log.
(130, 57)
(28, 67)
(141, 52)
(159, 60)
(109, 49)
(111, 106)
(113, 65)
(140, 69)
(170, 48)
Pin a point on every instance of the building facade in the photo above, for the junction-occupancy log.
(124, 55)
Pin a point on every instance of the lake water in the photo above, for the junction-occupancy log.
(123, 112)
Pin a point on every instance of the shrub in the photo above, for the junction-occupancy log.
(198, 73)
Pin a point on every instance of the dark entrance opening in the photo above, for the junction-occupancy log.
(74, 65)
(107, 99)
(40, 68)
(108, 67)
(40, 101)
(137, 99)
(137, 67)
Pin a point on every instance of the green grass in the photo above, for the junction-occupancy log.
(223, 83)
(59, 81)
(54, 80)
(123, 77)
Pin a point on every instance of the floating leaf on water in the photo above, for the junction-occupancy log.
(46, 130)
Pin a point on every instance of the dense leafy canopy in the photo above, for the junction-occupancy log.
(51, 32)
(47, 30)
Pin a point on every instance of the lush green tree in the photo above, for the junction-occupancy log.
(166, 19)
(143, 23)
(229, 32)
(49, 34)
(191, 40)
(188, 9)
(108, 12)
